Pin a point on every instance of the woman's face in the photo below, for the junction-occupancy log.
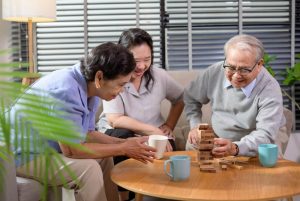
(109, 89)
(142, 56)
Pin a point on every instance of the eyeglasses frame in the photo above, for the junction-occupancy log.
(247, 71)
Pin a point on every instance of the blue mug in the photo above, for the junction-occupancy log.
(268, 154)
(179, 167)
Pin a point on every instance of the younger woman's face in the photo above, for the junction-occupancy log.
(142, 56)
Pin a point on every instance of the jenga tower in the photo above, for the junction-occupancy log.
(205, 144)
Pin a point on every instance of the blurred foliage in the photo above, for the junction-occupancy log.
(291, 74)
(37, 123)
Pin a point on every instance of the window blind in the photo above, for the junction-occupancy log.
(212, 23)
(62, 43)
(297, 51)
(19, 44)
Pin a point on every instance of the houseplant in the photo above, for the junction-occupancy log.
(291, 74)
(37, 117)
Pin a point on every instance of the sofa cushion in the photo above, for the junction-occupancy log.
(182, 128)
(28, 189)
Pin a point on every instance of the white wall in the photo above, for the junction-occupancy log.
(5, 33)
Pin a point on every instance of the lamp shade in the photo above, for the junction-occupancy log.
(25, 10)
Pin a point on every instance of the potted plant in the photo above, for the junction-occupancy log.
(291, 75)
(46, 124)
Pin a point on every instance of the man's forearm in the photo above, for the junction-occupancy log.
(92, 150)
(98, 137)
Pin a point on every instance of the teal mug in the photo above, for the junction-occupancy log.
(268, 154)
(179, 167)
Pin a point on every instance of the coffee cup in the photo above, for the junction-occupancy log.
(159, 142)
(179, 167)
(268, 154)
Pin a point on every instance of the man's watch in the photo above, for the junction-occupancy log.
(235, 149)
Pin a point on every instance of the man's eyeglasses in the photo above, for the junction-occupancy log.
(242, 70)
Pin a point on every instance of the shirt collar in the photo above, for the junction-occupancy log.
(246, 90)
(131, 89)
(87, 102)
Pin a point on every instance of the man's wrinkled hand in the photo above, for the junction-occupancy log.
(136, 148)
(223, 147)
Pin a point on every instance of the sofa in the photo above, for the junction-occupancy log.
(23, 189)
(182, 128)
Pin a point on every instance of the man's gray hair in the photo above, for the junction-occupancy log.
(245, 42)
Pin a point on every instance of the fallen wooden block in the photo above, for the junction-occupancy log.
(208, 168)
(206, 162)
(224, 167)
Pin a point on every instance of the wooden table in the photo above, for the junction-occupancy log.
(253, 182)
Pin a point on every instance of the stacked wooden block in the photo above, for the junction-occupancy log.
(205, 144)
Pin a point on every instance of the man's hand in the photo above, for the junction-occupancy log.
(137, 149)
(193, 136)
(224, 147)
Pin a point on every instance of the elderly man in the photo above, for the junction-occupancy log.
(246, 100)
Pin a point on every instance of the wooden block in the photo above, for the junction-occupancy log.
(207, 141)
(203, 126)
(236, 166)
(224, 167)
(206, 136)
(206, 132)
(208, 168)
(206, 146)
(206, 162)
(205, 153)
(230, 164)
(205, 158)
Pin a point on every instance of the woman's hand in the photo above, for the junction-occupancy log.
(193, 136)
(167, 131)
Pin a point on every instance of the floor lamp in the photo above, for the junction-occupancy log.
(30, 11)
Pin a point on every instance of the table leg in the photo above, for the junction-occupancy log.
(289, 199)
(138, 197)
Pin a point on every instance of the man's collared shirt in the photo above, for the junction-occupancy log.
(246, 90)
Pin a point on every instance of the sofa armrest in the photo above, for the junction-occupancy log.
(10, 191)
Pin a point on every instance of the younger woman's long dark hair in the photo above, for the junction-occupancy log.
(134, 37)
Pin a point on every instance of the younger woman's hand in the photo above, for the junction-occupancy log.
(167, 131)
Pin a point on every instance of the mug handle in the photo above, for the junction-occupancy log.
(171, 166)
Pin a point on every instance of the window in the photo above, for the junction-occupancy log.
(197, 30)
(83, 24)
(297, 51)
(19, 44)
(194, 31)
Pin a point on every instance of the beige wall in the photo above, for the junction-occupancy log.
(5, 33)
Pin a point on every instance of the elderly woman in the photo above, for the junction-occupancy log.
(102, 74)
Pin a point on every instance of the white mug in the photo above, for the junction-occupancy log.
(159, 142)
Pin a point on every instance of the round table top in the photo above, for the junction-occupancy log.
(252, 182)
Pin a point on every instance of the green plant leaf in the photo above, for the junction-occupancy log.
(267, 60)
(37, 122)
